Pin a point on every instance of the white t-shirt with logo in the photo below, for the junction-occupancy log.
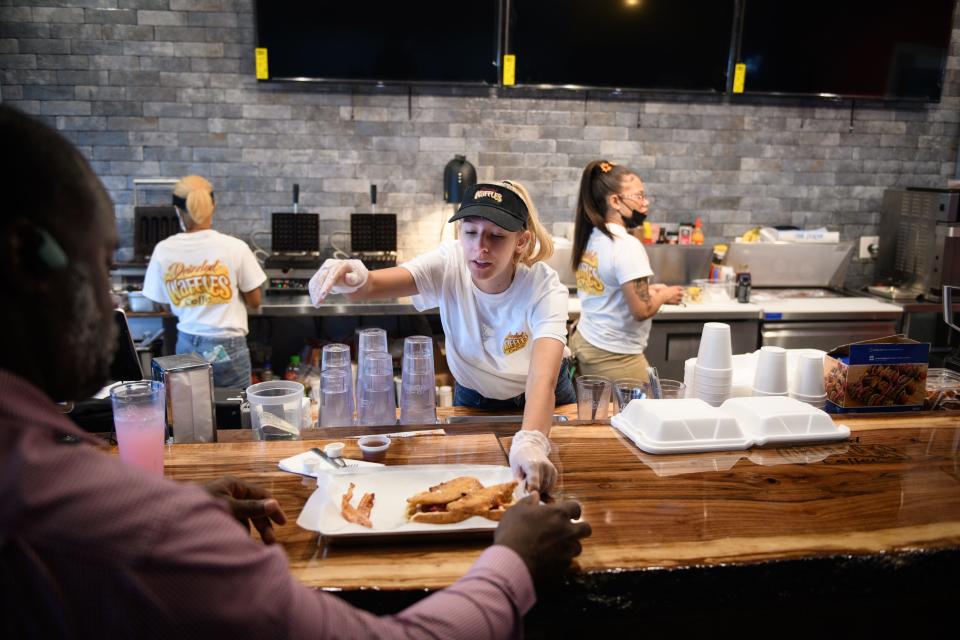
(605, 318)
(200, 275)
(489, 336)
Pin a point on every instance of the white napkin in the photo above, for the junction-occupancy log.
(296, 464)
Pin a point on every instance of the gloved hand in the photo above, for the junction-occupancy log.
(529, 460)
(337, 276)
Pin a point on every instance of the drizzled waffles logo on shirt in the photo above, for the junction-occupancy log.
(196, 285)
(513, 342)
(488, 193)
(587, 279)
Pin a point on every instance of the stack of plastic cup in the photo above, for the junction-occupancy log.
(808, 380)
(771, 375)
(337, 357)
(418, 384)
(336, 403)
(713, 372)
(368, 341)
(376, 402)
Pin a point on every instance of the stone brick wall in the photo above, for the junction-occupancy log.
(162, 88)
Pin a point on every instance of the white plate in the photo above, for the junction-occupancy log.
(391, 487)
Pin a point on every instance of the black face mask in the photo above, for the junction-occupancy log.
(635, 220)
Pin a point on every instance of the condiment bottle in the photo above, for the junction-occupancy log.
(696, 237)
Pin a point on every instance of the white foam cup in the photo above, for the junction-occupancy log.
(771, 374)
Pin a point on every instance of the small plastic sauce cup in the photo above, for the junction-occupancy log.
(374, 448)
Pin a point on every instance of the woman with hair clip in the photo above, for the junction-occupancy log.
(208, 279)
(617, 299)
(503, 312)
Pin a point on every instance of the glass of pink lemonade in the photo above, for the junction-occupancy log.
(138, 417)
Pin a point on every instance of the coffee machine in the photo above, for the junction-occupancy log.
(919, 243)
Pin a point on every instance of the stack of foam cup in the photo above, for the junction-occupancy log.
(689, 375)
(770, 378)
(713, 371)
(808, 380)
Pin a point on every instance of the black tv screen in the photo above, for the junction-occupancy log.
(380, 41)
(629, 44)
(850, 48)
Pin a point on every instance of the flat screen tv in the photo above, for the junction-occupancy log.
(423, 41)
(894, 50)
(681, 45)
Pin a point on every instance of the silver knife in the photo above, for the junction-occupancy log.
(323, 455)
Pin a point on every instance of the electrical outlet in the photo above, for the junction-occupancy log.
(865, 242)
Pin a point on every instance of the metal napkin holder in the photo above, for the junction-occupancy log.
(188, 382)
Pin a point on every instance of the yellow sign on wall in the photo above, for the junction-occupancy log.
(262, 69)
(739, 75)
(509, 70)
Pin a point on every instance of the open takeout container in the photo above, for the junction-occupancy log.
(693, 426)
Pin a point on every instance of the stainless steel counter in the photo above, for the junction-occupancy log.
(338, 305)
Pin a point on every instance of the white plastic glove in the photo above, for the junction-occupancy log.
(529, 460)
(336, 276)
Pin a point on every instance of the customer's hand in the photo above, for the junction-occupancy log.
(249, 503)
(529, 459)
(336, 276)
(543, 536)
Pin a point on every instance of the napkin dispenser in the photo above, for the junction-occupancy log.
(188, 381)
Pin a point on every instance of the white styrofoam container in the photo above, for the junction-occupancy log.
(680, 426)
(783, 420)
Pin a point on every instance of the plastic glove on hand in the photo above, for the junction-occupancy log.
(337, 276)
(529, 460)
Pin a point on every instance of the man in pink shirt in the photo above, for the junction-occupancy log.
(92, 548)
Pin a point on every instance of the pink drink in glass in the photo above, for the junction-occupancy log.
(138, 417)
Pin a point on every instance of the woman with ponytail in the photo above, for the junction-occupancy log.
(208, 279)
(504, 313)
(613, 274)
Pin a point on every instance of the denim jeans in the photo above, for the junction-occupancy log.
(232, 371)
(564, 394)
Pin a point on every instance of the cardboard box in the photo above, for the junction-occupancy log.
(881, 375)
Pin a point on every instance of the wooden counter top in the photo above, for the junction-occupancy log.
(882, 491)
(873, 522)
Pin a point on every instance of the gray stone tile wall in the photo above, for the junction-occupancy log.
(162, 88)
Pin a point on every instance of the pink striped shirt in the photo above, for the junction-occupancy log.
(126, 554)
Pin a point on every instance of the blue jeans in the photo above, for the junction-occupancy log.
(232, 371)
(564, 394)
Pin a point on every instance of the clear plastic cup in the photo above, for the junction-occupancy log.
(771, 374)
(140, 422)
(593, 397)
(418, 346)
(276, 409)
(335, 356)
(808, 375)
(627, 389)
(376, 400)
(372, 339)
(715, 350)
(671, 389)
(418, 397)
(336, 406)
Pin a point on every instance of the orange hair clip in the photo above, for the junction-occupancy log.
(606, 167)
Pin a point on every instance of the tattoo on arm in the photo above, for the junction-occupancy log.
(642, 286)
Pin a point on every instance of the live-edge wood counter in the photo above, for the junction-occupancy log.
(856, 535)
